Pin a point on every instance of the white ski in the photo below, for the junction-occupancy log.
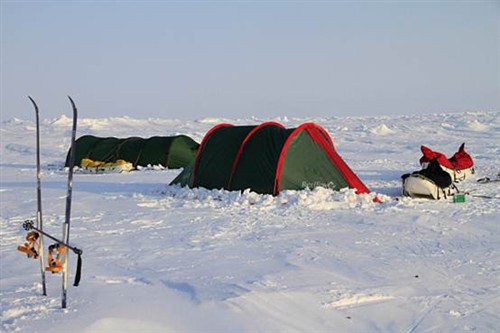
(66, 224)
(39, 220)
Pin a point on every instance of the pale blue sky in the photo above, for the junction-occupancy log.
(196, 59)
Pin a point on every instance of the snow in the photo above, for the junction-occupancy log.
(159, 258)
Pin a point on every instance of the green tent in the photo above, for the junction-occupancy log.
(267, 159)
(169, 151)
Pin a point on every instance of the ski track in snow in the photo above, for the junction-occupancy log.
(161, 258)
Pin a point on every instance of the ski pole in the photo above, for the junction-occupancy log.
(28, 225)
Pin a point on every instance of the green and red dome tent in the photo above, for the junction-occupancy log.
(268, 158)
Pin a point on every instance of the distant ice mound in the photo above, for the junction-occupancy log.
(62, 121)
(478, 126)
(212, 120)
(12, 121)
(382, 129)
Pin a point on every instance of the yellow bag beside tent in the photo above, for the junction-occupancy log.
(118, 166)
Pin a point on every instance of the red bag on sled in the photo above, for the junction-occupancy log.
(459, 166)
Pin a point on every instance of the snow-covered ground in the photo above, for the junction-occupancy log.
(158, 258)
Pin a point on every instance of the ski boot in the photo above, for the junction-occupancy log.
(54, 260)
(30, 246)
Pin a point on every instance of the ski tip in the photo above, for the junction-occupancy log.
(73, 105)
(32, 100)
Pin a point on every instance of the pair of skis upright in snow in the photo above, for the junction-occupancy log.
(64, 243)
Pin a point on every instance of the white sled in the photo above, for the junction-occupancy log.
(419, 186)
